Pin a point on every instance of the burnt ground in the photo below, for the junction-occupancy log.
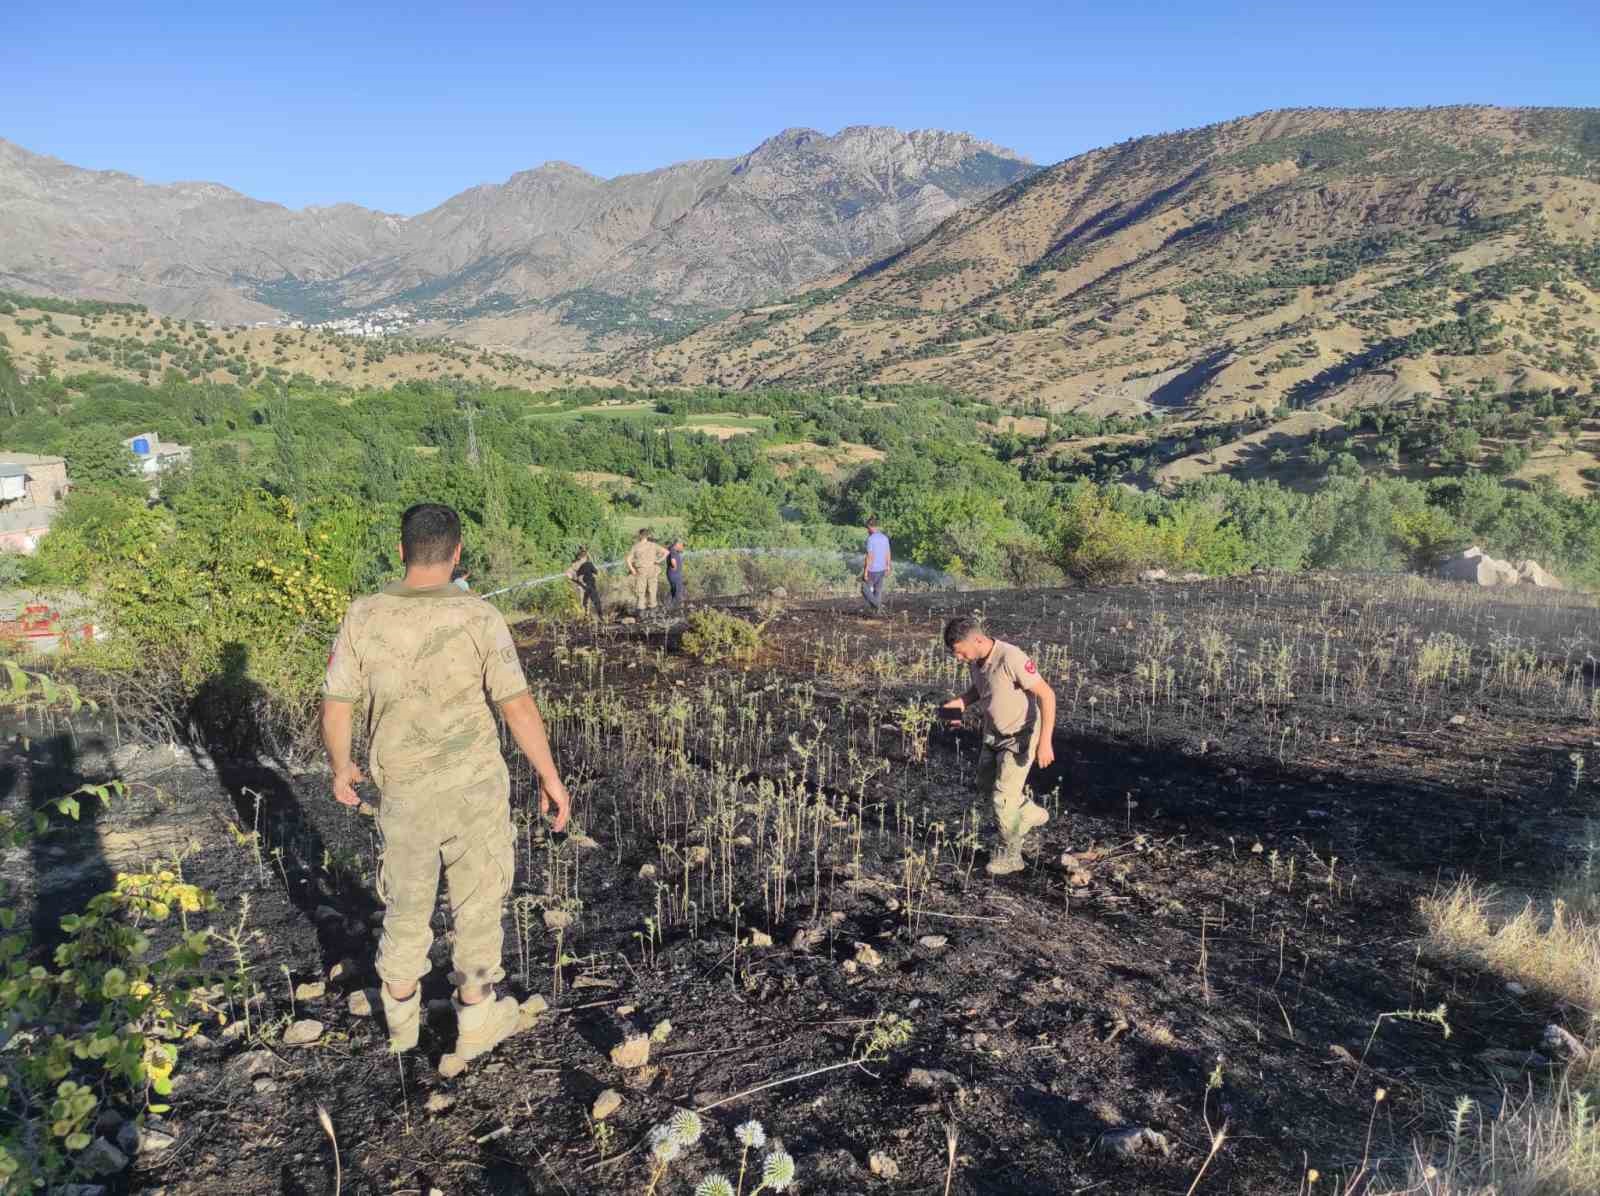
(1256, 782)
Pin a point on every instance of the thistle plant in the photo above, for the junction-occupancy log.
(668, 1140)
(751, 1136)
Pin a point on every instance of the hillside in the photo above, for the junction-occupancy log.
(67, 337)
(1317, 258)
(555, 259)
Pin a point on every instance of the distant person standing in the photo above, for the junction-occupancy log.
(458, 578)
(875, 566)
(675, 572)
(586, 577)
(644, 566)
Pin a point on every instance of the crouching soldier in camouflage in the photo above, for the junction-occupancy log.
(1019, 714)
(427, 659)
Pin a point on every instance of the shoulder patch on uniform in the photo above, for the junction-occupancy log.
(1030, 666)
(509, 655)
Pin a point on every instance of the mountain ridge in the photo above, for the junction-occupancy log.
(540, 243)
(1307, 232)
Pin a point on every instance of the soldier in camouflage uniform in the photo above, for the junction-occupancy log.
(1019, 714)
(644, 566)
(427, 660)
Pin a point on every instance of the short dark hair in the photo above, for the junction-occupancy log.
(962, 627)
(872, 524)
(429, 533)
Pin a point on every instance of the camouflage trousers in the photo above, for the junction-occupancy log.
(645, 586)
(469, 833)
(1003, 768)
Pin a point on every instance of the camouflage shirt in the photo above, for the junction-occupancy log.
(646, 557)
(424, 661)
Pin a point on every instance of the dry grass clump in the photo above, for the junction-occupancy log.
(1545, 1143)
(1557, 953)
(1541, 1145)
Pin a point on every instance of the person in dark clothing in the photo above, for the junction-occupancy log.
(585, 576)
(675, 572)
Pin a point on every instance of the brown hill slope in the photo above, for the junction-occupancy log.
(131, 343)
(553, 258)
(1305, 257)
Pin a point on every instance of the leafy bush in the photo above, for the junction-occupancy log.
(714, 636)
(1097, 543)
(101, 1026)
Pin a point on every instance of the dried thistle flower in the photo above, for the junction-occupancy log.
(777, 1170)
(751, 1135)
(663, 1146)
(685, 1127)
(714, 1185)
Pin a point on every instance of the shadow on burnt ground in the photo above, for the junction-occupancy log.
(68, 862)
(229, 732)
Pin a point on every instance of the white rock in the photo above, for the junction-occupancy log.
(311, 990)
(439, 1102)
(607, 1103)
(360, 1002)
(1136, 1141)
(149, 1143)
(934, 942)
(247, 1066)
(633, 1051)
(303, 1032)
(882, 1165)
(867, 956)
(760, 938)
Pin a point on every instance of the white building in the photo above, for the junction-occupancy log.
(156, 457)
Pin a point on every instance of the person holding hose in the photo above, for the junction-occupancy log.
(583, 574)
(432, 665)
(1019, 717)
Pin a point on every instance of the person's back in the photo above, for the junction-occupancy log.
(427, 661)
(431, 661)
(644, 563)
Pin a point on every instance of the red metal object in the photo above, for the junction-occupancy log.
(37, 621)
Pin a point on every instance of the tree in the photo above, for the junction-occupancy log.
(736, 513)
(97, 457)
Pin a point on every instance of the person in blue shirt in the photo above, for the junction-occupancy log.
(875, 566)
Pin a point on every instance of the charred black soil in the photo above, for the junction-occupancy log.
(1256, 781)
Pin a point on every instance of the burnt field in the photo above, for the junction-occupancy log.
(777, 868)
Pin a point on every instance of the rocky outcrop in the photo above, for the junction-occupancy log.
(1478, 567)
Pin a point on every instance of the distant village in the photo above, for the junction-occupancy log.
(383, 321)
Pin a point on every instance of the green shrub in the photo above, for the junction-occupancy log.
(714, 636)
(1097, 543)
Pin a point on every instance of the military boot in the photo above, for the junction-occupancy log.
(1033, 816)
(479, 1029)
(1006, 858)
(403, 1019)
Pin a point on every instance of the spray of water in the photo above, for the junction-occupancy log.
(920, 574)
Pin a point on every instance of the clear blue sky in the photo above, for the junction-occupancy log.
(398, 106)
